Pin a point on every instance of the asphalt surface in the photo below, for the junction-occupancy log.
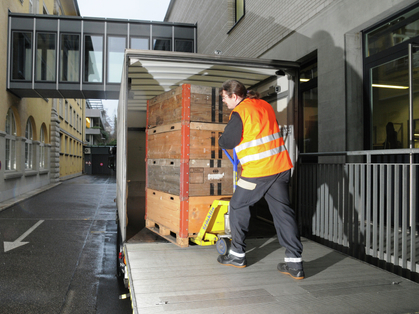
(58, 251)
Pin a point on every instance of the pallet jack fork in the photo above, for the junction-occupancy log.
(216, 226)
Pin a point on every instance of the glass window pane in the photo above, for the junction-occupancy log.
(184, 45)
(10, 123)
(309, 72)
(70, 58)
(22, 56)
(45, 57)
(140, 43)
(93, 59)
(28, 131)
(8, 154)
(390, 104)
(390, 34)
(239, 9)
(116, 48)
(310, 121)
(162, 44)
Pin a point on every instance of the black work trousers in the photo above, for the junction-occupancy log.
(275, 190)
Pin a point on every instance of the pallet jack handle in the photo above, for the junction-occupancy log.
(235, 161)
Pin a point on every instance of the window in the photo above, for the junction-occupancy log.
(70, 58)
(29, 145)
(22, 56)
(309, 107)
(33, 6)
(45, 57)
(42, 148)
(392, 33)
(61, 105)
(140, 43)
(70, 120)
(116, 49)
(239, 10)
(93, 59)
(184, 45)
(386, 81)
(10, 140)
(62, 147)
(162, 44)
(66, 111)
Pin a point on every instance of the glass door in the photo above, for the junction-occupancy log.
(390, 104)
(414, 95)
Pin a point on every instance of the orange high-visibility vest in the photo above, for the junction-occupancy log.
(262, 151)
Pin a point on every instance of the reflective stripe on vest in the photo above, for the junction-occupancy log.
(257, 142)
(262, 155)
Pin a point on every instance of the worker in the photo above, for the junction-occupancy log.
(254, 133)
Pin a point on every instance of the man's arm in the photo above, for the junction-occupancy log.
(232, 134)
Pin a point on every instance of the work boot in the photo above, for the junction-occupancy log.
(294, 273)
(231, 260)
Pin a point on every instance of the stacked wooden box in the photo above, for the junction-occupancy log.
(186, 169)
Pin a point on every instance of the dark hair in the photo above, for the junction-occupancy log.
(235, 87)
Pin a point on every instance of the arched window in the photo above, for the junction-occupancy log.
(10, 141)
(29, 145)
(42, 148)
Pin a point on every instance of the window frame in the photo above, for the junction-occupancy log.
(375, 60)
(236, 18)
(29, 155)
(11, 134)
(42, 148)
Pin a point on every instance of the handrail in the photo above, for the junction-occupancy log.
(366, 152)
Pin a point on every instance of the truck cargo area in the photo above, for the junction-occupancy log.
(166, 277)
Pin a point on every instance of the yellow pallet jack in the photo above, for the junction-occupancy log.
(216, 227)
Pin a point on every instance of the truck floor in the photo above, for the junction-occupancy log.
(165, 278)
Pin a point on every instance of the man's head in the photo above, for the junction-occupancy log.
(233, 92)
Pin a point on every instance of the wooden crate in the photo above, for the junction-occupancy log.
(206, 177)
(200, 139)
(205, 106)
(174, 218)
(183, 126)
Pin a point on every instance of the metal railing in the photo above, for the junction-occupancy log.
(364, 204)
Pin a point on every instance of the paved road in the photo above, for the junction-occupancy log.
(58, 252)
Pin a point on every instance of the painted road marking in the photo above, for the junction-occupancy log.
(18, 242)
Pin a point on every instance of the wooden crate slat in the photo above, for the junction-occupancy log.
(203, 145)
(206, 177)
(205, 106)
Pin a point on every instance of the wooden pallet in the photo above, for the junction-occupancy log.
(166, 233)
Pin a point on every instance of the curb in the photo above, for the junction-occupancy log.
(13, 201)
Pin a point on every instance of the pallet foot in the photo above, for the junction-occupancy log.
(166, 233)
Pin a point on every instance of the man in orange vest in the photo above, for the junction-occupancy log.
(254, 133)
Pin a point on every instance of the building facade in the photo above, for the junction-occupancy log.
(351, 120)
(40, 138)
(348, 51)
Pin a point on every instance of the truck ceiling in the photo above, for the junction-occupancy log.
(150, 73)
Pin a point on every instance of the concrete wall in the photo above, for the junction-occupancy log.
(291, 30)
(335, 34)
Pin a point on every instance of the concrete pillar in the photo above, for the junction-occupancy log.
(55, 146)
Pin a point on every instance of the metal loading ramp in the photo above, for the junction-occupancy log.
(167, 279)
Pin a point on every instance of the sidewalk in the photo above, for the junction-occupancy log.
(19, 198)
